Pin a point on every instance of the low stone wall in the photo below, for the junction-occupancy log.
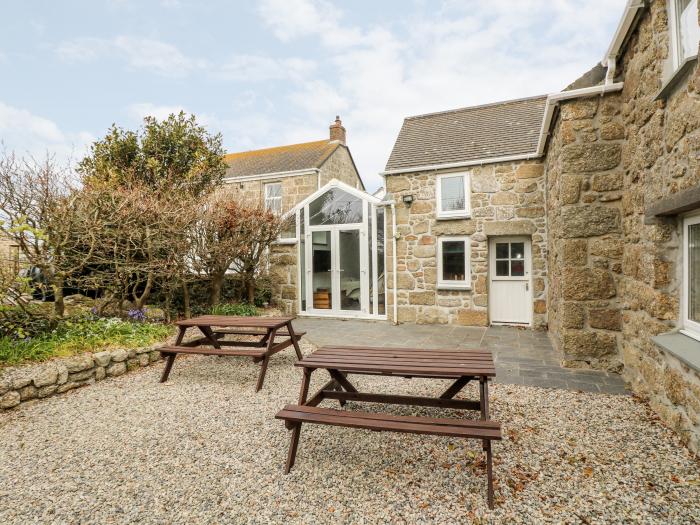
(24, 383)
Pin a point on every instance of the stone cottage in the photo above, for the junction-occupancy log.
(332, 244)
(582, 206)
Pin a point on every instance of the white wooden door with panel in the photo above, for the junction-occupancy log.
(510, 290)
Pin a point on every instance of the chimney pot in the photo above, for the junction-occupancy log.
(337, 131)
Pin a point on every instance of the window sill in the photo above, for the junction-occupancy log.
(685, 348)
(670, 84)
(454, 287)
(442, 217)
(285, 241)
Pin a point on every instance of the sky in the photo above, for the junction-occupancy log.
(274, 72)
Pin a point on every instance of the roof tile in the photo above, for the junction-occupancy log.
(479, 132)
(294, 157)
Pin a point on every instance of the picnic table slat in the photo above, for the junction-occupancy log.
(236, 321)
(425, 371)
(390, 349)
(391, 363)
(399, 359)
(198, 350)
(411, 424)
(469, 423)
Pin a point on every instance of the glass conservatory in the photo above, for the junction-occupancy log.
(340, 249)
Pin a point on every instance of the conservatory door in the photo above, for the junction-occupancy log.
(338, 281)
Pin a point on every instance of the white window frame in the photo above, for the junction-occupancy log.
(269, 200)
(444, 284)
(689, 327)
(674, 23)
(453, 214)
(290, 240)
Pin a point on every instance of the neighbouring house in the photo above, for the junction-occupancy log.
(577, 212)
(9, 255)
(332, 261)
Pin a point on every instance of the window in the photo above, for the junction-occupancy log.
(510, 259)
(453, 262)
(691, 276)
(685, 32)
(335, 207)
(273, 197)
(14, 258)
(452, 193)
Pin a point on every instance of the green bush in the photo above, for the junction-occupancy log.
(238, 309)
(74, 336)
(16, 323)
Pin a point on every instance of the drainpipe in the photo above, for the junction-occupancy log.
(394, 236)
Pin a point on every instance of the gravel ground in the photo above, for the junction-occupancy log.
(204, 448)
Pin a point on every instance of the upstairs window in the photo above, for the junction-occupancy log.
(453, 263)
(691, 277)
(684, 30)
(273, 197)
(452, 193)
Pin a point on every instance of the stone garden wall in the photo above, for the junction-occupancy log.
(24, 383)
(506, 199)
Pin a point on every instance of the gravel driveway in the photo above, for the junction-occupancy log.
(204, 448)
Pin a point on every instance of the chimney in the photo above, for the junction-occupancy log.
(337, 131)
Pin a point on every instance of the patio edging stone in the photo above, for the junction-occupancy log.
(23, 383)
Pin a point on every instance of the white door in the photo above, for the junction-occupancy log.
(338, 277)
(510, 269)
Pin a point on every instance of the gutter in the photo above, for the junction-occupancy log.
(275, 175)
(476, 162)
(623, 28)
(394, 236)
(555, 98)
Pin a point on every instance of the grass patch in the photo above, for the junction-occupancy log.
(237, 309)
(78, 336)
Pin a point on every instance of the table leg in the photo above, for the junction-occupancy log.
(484, 397)
(293, 444)
(294, 340)
(180, 335)
(296, 429)
(484, 402)
(456, 387)
(266, 359)
(170, 359)
(209, 334)
(489, 474)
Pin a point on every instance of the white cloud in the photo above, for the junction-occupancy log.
(139, 53)
(27, 133)
(257, 68)
(146, 53)
(452, 54)
(146, 109)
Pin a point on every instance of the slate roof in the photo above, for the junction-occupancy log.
(479, 132)
(295, 157)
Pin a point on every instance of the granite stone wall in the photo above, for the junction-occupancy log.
(584, 193)
(616, 275)
(24, 383)
(661, 157)
(506, 199)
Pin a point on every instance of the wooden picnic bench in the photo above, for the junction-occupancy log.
(267, 330)
(461, 366)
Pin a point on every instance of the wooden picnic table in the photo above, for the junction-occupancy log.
(267, 330)
(458, 366)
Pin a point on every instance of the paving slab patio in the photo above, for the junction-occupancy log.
(522, 356)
